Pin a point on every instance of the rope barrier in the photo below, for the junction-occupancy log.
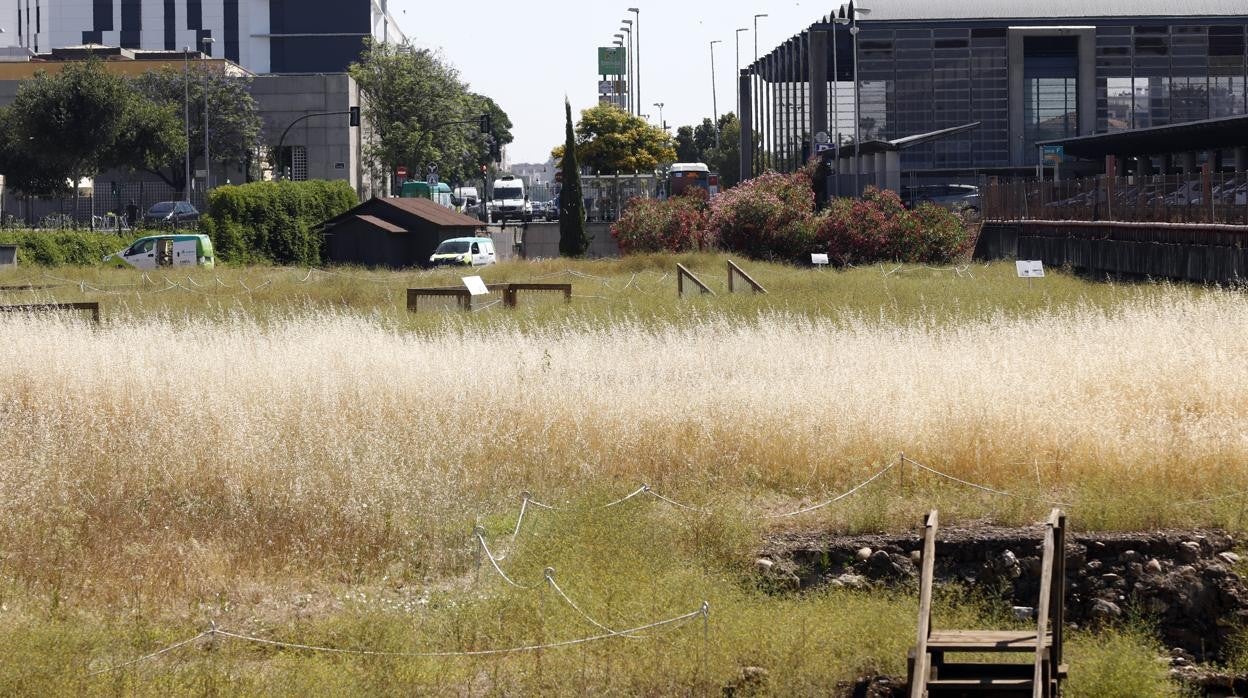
(480, 534)
(839, 497)
(155, 654)
(550, 579)
(980, 487)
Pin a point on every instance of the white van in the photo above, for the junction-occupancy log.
(510, 202)
(156, 251)
(465, 252)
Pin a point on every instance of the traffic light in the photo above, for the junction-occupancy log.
(355, 116)
(487, 124)
(496, 153)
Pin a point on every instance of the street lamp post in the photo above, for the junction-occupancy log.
(662, 121)
(854, 11)
(628, 82)
(737, 75)
(207, 154)
(714, 93)
(637, 61)
(615, 86)
(837, 20)
(186, 117)
(757, 104)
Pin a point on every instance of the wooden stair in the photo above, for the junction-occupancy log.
(933, 675)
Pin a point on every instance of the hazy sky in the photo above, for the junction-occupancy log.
(528, 55)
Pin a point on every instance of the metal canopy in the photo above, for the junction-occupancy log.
(1208, 134)
(878, 146)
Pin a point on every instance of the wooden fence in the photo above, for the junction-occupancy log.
(92, 308)
(464, 298)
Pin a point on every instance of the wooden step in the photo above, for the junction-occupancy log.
(985, 641)
(994, 686)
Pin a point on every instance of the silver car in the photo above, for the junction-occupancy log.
(954, 197)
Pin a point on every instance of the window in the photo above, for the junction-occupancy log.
(476, 249)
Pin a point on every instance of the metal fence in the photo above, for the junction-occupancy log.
(98, 208)
(607, 195)
(1211, 198)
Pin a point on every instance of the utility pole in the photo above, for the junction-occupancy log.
(736, 77)
(207, 154)
(637, 63)
(714, 93)
(186, 118)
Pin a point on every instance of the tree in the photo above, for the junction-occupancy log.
(704, 137)
(477, 152)
(234, 128)
(726, 159)
(413, 103)
(71, 120)
(686, 148)
(572, 238)
(23, 167)
(609, 139)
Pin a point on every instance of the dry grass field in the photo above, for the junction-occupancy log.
(309, 465)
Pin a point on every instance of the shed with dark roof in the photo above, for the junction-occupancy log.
(394, 233)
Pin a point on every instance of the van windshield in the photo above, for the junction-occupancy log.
(452, 247)
(509, 193)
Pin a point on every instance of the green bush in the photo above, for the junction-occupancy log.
(64, 248)
(770, 217)
(274, 222)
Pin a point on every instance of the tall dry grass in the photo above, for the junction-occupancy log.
(159, 456)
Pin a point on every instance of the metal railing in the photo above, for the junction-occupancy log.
(1209, 198)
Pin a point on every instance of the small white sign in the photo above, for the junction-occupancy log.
(476, 286)
(1030, 269)
(819, 260)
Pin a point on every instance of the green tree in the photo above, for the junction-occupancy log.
(726, 159)
(477, 151)
(234, 128)
(71, 120)
(20, 162)
(686, 148)
(573, 242)
(704, 138)
(609, 139)
(413, 99)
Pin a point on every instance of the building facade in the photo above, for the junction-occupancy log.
(263, 36)
(1025, 73)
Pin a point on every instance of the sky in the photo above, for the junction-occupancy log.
(528, 55)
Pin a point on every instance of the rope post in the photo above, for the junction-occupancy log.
(478, 533)
(212, 635)
(706, 638)
(901, 472)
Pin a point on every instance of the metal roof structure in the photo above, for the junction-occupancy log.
(1207, 134)
(901, 10)
(872, 147)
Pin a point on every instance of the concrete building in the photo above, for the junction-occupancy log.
(1024, 74)
(263, 36)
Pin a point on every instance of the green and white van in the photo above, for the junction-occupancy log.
(467, 252)
(156, 251)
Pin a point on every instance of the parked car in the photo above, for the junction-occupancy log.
(954, 197)
(464, 252)
(171, 213)
(157, 251)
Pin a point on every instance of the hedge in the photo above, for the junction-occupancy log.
(274, 222)
(70, 247)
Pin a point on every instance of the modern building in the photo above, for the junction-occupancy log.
(263, 36)
(1021, 73)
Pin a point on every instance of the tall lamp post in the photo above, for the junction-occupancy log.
(207, 154)
(186, 117)
(714, 93)
(838, 19)
(759, 124)
(736, 77)
(628, 83)
(662, 121)
(615, 86)
(854, 11)
(636, 89)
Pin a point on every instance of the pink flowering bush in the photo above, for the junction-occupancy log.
(769, 217)
(676, 225)
(879, 228)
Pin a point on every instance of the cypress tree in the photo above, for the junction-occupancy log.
(573, 241)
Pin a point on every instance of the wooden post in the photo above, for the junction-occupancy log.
(683, 273)
(734, 271)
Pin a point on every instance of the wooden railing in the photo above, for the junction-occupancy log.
(93, 308)
(921, 668)
(511, 293)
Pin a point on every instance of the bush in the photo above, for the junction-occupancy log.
(770, 217)
(879, 228)
(274, 222)
(676, 225)
(64, 248)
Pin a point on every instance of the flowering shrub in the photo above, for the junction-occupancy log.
(769, 217)
(878, 227)
(676, 225)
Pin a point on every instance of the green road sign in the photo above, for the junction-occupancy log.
(1052, 154)
(612, 60)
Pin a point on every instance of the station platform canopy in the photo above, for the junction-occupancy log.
(1209, 134)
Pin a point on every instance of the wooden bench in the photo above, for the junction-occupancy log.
(510, 291)
(933, 675)
(92, 308)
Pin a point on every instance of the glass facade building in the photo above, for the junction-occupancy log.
(1023, 79)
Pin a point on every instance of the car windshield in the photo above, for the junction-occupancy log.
(453, 247)
(509, 193)
(163, 207)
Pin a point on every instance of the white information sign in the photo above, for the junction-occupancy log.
(1030, 269)
(476, 286)
(819, 260)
